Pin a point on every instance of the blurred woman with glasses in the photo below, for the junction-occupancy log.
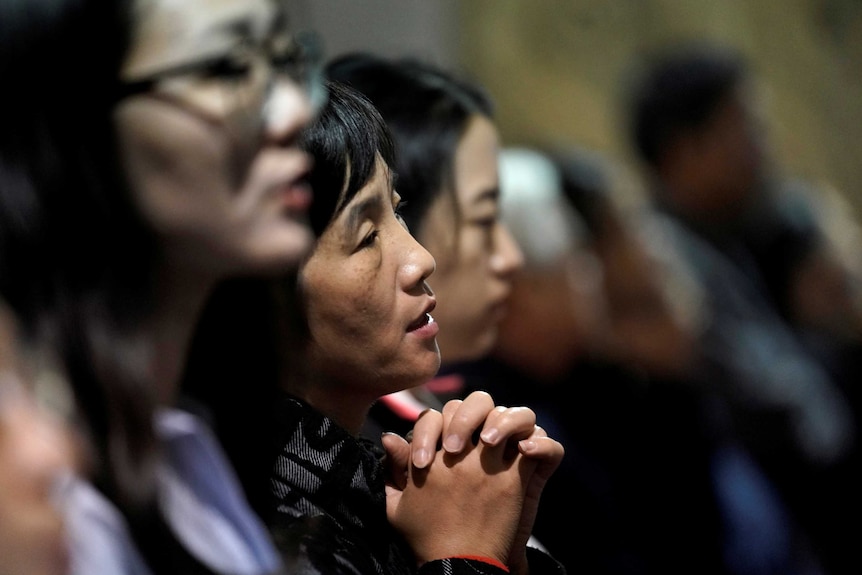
(148, 151)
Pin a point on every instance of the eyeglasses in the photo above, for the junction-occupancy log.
(236, 86)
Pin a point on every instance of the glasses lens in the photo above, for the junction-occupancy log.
(297, 58)
(244, 92)
(302, 62)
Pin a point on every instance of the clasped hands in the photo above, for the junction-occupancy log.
(468, 482)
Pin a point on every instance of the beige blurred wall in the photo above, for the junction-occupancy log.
(555, 69)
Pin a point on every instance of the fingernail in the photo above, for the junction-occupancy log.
(490, 435)
(453, 444)
(527, 445)
(421, 458)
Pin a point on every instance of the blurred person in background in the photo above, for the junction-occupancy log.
(38, 452)
(171, 166)
(642, 476)
(588, 327)
(805, 243)
(695, 121)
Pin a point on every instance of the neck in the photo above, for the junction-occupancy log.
(347, 405)
(181, 298)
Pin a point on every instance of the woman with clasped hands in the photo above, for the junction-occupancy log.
(366, 306)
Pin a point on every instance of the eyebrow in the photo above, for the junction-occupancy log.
(247, 26)
(239, 25)
(358, 211)
(488, 195)
(355, 212)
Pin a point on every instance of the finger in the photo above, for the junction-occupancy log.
(508, 424)
(425, 437)
(546, 449)
(539, 431)
(397, 458)
(462, 419)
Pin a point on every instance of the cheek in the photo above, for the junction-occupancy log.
(173, 160)
(464, 271)
(348, 304)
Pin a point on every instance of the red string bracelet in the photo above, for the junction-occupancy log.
(488, 560)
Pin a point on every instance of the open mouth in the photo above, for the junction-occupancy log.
(424, 320)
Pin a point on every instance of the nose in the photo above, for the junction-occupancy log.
(418, 262)
(287, 110)
(44, 447)
(507, 257)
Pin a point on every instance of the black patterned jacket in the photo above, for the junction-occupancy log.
(331, 506)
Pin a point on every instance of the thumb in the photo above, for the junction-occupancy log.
(397, 459)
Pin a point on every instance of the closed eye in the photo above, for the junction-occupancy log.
(368, 240)
(228, 68)
(236, 65)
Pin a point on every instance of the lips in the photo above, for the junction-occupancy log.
(283, 174)
(296, 197)
(423, 319)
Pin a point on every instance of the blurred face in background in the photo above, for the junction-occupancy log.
(216, 94)
(655, 300)
(476, 255)
(36, 452)
(717, 168)
(558, 314)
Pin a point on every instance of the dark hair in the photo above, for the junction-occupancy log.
(676, 88)
(252, 328)
(61, 185)
(345, 140)
(76, 258)
(427, 110)
(73, 252)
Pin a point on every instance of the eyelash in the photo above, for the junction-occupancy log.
(236, 65)
(229, 67)
(369, 239)
(372, 237)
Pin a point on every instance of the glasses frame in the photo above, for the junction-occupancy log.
(305, 70)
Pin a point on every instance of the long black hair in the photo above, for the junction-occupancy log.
(76, 259)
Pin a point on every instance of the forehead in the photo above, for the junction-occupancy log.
(168, 32)
(376, 194)
(476, 162)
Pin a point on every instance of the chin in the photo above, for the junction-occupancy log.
(479, 347)
(428, 371)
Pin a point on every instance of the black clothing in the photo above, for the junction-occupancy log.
(331, 506)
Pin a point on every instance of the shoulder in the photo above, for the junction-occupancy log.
(99, 539)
